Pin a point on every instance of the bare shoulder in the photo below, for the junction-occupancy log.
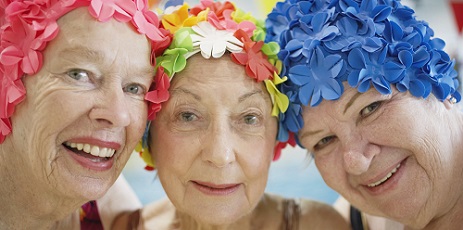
(319, 215)
(159, 213)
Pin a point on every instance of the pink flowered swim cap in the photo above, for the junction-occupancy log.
(28, 26)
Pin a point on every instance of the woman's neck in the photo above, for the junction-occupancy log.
(186, 222)
(266, 215)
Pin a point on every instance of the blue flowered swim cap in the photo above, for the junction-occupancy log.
(367, 43)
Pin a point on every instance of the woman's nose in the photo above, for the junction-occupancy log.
(219, 149)
(111, 108)
(358, 154)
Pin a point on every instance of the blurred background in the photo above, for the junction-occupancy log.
(294, 174)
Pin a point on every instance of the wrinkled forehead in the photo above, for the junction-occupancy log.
(79, 17)
(111, 42)
(79, 23)
(216, 73)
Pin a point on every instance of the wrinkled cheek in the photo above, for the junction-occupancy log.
(139, 121)
(258, 175)
(255, 190)
(329, 171)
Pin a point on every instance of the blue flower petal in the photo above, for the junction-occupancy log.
(381, 13)
(316, 98)
(298, 75)
(406, 58)
(353, 78)
(417, 88)
(382, 85)
(306, 93)
(375, 43)
(393, 71)
(356, 59)
(372, 44)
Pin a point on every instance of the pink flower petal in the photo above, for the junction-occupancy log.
(144, 27)
(5, 128)
(247, 27)
(50, 32)
(12, 93)
(32, 62)
(11, 56)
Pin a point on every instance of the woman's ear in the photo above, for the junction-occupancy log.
(450, 102)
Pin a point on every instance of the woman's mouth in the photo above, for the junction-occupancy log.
(384, 179)
(91, 156)
(215, 189)
(90, 149)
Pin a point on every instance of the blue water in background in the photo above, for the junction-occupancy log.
(293, 175)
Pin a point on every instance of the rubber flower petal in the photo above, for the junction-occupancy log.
(216, 8)
(378, 43)
(228, 23)
(256, 62)
(280, 100)
(28, 26)
(318, 31)
(290, 121)
(213, 42)
(318, 79)
(278, 20)
(174, 60)
(375, 69)
(145, 155)
(5, 128)
(181, 18)
(12, 92)
(281, 145)
(103, 10)
(227, 29)
(159, 93)
(147, 23)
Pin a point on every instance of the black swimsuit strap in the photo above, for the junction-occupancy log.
(356, 218)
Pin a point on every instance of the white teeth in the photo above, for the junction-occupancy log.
(95, 151)
(87, 148)
(92, 149)
(385, 178)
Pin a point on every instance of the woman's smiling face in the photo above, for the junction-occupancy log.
(213, 140)
(389, 155)
(84, 111)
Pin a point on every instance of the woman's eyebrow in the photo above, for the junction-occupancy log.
(90, 54)
(95, 56)
(250, 94)
(310, 133)
(181, 90)
(351, 101)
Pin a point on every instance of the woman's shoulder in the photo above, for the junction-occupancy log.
(159, 213)
(319, 215)
(305, 213)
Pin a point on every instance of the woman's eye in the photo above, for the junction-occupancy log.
(134, 89)
(251, 119)
(79, 75)
(187, 116)
(323, 142)
(370, 109)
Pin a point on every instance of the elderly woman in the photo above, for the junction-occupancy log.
(375, 95)
(68, 140)
(214, 139)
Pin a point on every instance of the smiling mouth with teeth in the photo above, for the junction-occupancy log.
(90, 149)
(389, 175)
